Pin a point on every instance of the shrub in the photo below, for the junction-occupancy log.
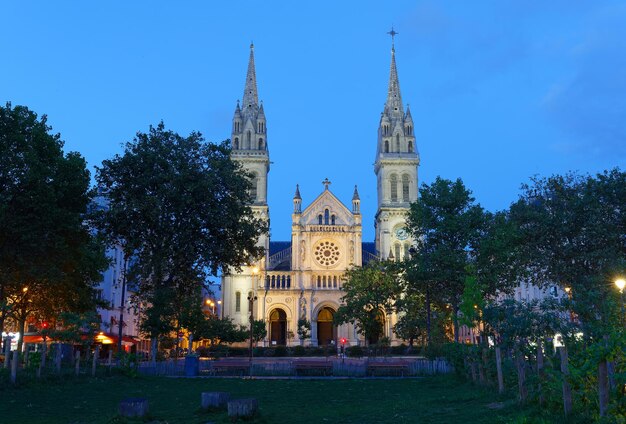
(299, 351)
(354, 351)
(280, 351)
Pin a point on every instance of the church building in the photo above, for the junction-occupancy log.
(303, 277)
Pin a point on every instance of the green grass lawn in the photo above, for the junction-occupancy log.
(177, 400)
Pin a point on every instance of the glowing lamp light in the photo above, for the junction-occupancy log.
(620, 283)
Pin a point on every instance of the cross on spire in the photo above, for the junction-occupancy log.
(326, 183)
(393, 34)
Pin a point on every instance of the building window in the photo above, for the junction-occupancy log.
(394, 188)
(398, 143)
(386, 146)
(248, 139)
(407, 254)
(253, 188)
(319, 219)
(410, 146)
(261, 144)
(319, 282)
(332, 220)
(238, 302)
(236, 143)
(326, 216)
(405, 188)
(396, 252)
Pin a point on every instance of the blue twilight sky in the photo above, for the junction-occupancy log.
(499, 90)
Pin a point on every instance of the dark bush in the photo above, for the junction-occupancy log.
(280, 351)
(354, 351)
(299, 351)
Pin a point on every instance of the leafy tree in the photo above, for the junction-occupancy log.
(368, 292)
(304, 329)
(259, 330)
(49, 259)
(412, 319)
(447, 225)
(180, 206)
(573, 235)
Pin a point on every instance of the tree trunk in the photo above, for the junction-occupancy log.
(603, 387)
(455, 320)
(540, 372)
(21, 326)
(427, 316)
(499, 370)
(567, 390)
(521, 376)
(14, 364)
(153, 350)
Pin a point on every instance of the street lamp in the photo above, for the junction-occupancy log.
(251, 299)
(219, 308)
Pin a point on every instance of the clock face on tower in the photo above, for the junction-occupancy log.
(401, 234)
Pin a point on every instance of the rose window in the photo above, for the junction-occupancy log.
(327, 253)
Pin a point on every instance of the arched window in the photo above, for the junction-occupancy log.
(398, 143)
(332, 220)
(261, 146)
(407, 254)
(326, 217)
(319, 219)
(386, 146)
(410, 146)
(238, 302)
(394, 188)
(405, 188)
(396, 252)
(319, 282)
(248, 139)
(253, 188)
(236, 144)
(335, 282)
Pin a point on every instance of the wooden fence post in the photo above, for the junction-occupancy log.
(567, 389)
(77, 363)
(96, 354)
(7, 352)
(58, 358)
(540, 372)
(499, 370)
(521, 375)
(603, 387)
(14, 363)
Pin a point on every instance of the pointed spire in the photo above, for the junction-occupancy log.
(261, 111)
(408, 116)
(250, 97)
(297, 195)
(394, 99)
(355, 196)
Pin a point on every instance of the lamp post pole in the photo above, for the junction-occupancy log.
(621, 283)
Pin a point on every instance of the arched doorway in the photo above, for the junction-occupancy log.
(326, 330)
(377, 329)
(278, 327)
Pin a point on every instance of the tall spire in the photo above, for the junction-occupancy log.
(250, 97)
(394, 99)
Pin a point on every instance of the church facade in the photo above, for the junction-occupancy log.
(303, 277)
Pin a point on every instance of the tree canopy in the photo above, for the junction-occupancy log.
(180, 206)
(49, 258)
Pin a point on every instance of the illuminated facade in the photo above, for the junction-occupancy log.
(302, 278)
